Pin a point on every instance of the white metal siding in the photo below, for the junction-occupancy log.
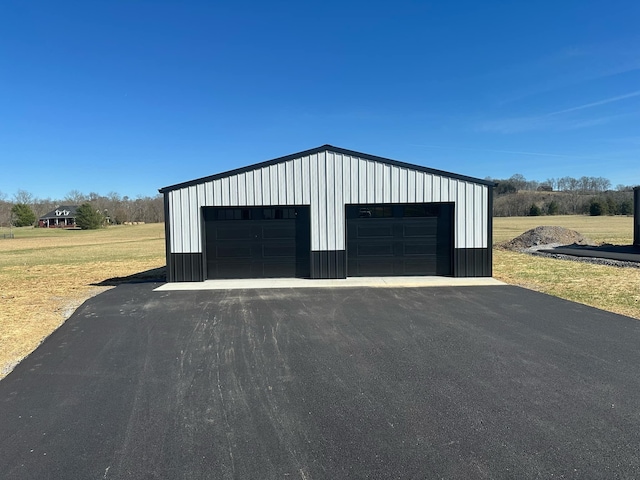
(327, 181)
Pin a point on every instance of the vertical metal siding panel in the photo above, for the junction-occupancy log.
(249, 187)
(362, 180)
(289, 188)
(444, 189)
(314, 199)
(233, 190)
(202, 199)
(428, 187)
(266, 186)
(411, 186)
(217, 192)
(346, 180)
(484, 216)
(371, 183)
(282, 183)
(330, 189)
(226, 187)
(395, 184)
(297, 182)
(338, 207)
(355, 179)
(242, 189)
(174, 221)
(257, 187)
(307, 183)
(386, 183)
(186, 220)
(194, 220)
(273, 177)
(461, 218)
(435, 188)
(321, 165)
(208, 197)
(419, 187)
(379, 178)
(403, 185)
(473, 219)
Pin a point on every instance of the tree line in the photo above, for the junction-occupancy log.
(517, 196)
(114, 208)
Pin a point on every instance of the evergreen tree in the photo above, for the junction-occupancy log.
(553, 208)
(22, 215)
(88, 218)
(535, 211)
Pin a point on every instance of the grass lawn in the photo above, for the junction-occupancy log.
(609, 288)
(45, 274)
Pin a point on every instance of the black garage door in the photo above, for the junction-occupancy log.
(414, 239)
(257, 242)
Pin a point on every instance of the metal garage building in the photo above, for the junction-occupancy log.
(328, 213)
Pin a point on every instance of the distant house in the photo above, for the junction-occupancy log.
(62, 217)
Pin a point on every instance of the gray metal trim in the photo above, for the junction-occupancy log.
(325, 148)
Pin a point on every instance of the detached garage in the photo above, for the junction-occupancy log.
(328, 213)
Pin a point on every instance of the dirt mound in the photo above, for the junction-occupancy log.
(546, 236)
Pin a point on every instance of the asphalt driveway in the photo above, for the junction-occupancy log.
(447, 382)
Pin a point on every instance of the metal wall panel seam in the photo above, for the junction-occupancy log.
(330, 188)
(194, 220)
(371, 181)
(420, 190)
(282, 181)
(339, 203)
(346, 179)
(395, 184)
(379, 183)
(386, 183)
(403, 185)
(265, 185)
(314, 202)
(290, 191)
(355, 175)
(322, 199)
(306, 178)
(274, 195)
(411, 186)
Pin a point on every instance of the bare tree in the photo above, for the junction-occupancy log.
(24, 197)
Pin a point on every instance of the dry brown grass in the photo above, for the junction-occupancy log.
(46, 274)
(610, 288)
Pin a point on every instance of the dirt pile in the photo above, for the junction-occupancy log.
(546, 236)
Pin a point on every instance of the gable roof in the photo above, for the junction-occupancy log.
(63, 211)
(325, 148)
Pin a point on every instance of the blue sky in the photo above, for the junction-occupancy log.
(130, 96)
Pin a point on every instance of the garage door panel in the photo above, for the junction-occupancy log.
(279, 232)
(233, 232)
(394, 244)
(375, 250)
(234, 252)
(374, 231)
(258, 243)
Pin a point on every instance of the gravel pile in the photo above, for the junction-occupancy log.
(546, 237)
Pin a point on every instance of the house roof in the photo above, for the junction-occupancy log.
(63, 211)
(325, 148)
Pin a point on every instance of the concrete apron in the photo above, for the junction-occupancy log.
(373, 282)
